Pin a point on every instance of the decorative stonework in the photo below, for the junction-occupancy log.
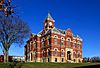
(41, 47)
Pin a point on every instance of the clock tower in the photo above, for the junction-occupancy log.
(48, 22)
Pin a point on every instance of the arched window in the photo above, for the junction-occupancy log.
(43, 53)
(49, 40)
(78, 54)
(55, 52)
(31, 56)
(42, 41)
(62, 53)
(28, 56)
(74, 45)
(74, 54)
(34, 56)
(28, 47)
(78, 45)
(68, 42)
(74, 60)
(34, 45)
(62, 41)
(55, 40)
(49, 52)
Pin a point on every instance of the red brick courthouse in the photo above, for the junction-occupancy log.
(53, 45)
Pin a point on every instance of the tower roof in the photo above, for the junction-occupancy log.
(49, 17)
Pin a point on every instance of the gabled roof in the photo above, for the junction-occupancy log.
(58, 30)
(54, 30)
(40, 32)
(69, 30)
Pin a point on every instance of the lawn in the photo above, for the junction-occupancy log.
(57, 65)
(49, 65)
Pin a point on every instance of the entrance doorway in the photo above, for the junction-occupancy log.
(68, 55)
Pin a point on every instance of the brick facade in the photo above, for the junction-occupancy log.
(53, 45)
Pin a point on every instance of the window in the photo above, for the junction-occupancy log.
(74, 54)
(68, 42)
(74, 45)
(62, 53)
(55, 59)
(43, 53)
(48, 52)
(55, 40)
(62, 41)
(28, 56)
(49, 40)
(42, 42)
(78, 45)
(62, 59)
(79, 60)
(48, 60)
(35, 56)
(78, 55)
(55, 52)
(74, 60)
(31, 56)
(34, 45)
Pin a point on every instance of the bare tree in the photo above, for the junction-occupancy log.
(12, 30)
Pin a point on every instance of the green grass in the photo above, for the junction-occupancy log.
(45, 65)
(56, 65)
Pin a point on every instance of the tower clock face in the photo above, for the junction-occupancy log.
(50, 23)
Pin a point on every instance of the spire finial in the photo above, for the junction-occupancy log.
(49, 17)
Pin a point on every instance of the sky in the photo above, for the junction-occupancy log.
(81, 16)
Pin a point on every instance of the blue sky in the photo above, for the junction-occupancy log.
(81, 16)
